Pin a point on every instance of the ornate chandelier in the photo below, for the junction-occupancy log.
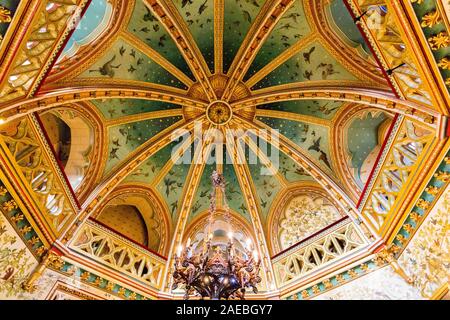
(215, 272)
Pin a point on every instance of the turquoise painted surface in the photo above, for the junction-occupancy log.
(363, 138)
(171, 187)
(344, 21)
(312, 64)
(235, 195)
(292, 171)
(147, 172)
(91, 25)
(266, 185)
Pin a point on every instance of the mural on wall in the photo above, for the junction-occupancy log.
(144, 25)
(427, 257)
(304, 215)
(382, 284)
(292, 28)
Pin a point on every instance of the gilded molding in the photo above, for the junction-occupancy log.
(262, 26)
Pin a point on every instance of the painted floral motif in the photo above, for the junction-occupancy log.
(304, 216)
(16, 261)
(427, 257)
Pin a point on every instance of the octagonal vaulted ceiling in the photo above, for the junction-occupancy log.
(187, 55)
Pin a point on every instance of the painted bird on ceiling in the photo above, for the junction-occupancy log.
(316, 145)
(107, 69)
(307, 55)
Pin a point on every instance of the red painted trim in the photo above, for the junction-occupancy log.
(61, 167)
(391, 129)
(372, 50)
(66, 40)
(448, 127)
(129, 239)
(310, 237)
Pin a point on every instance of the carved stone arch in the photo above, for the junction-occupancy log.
(76, 116)
(67, 67)
(339, 146)
(152, 209)
(242, 230)
(312, 197)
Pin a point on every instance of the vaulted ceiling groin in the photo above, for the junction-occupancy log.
(327, 119)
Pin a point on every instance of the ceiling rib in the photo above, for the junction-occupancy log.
(293, 116)
(144, 116)
(179, 31)
(282, 58)
(244, 178)
(219, 19)
(377, 98)
(260, 30)
(154, 55)
(105, 187)
(265, 161)
(295, 152)
(192, 182)
(66, 95)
